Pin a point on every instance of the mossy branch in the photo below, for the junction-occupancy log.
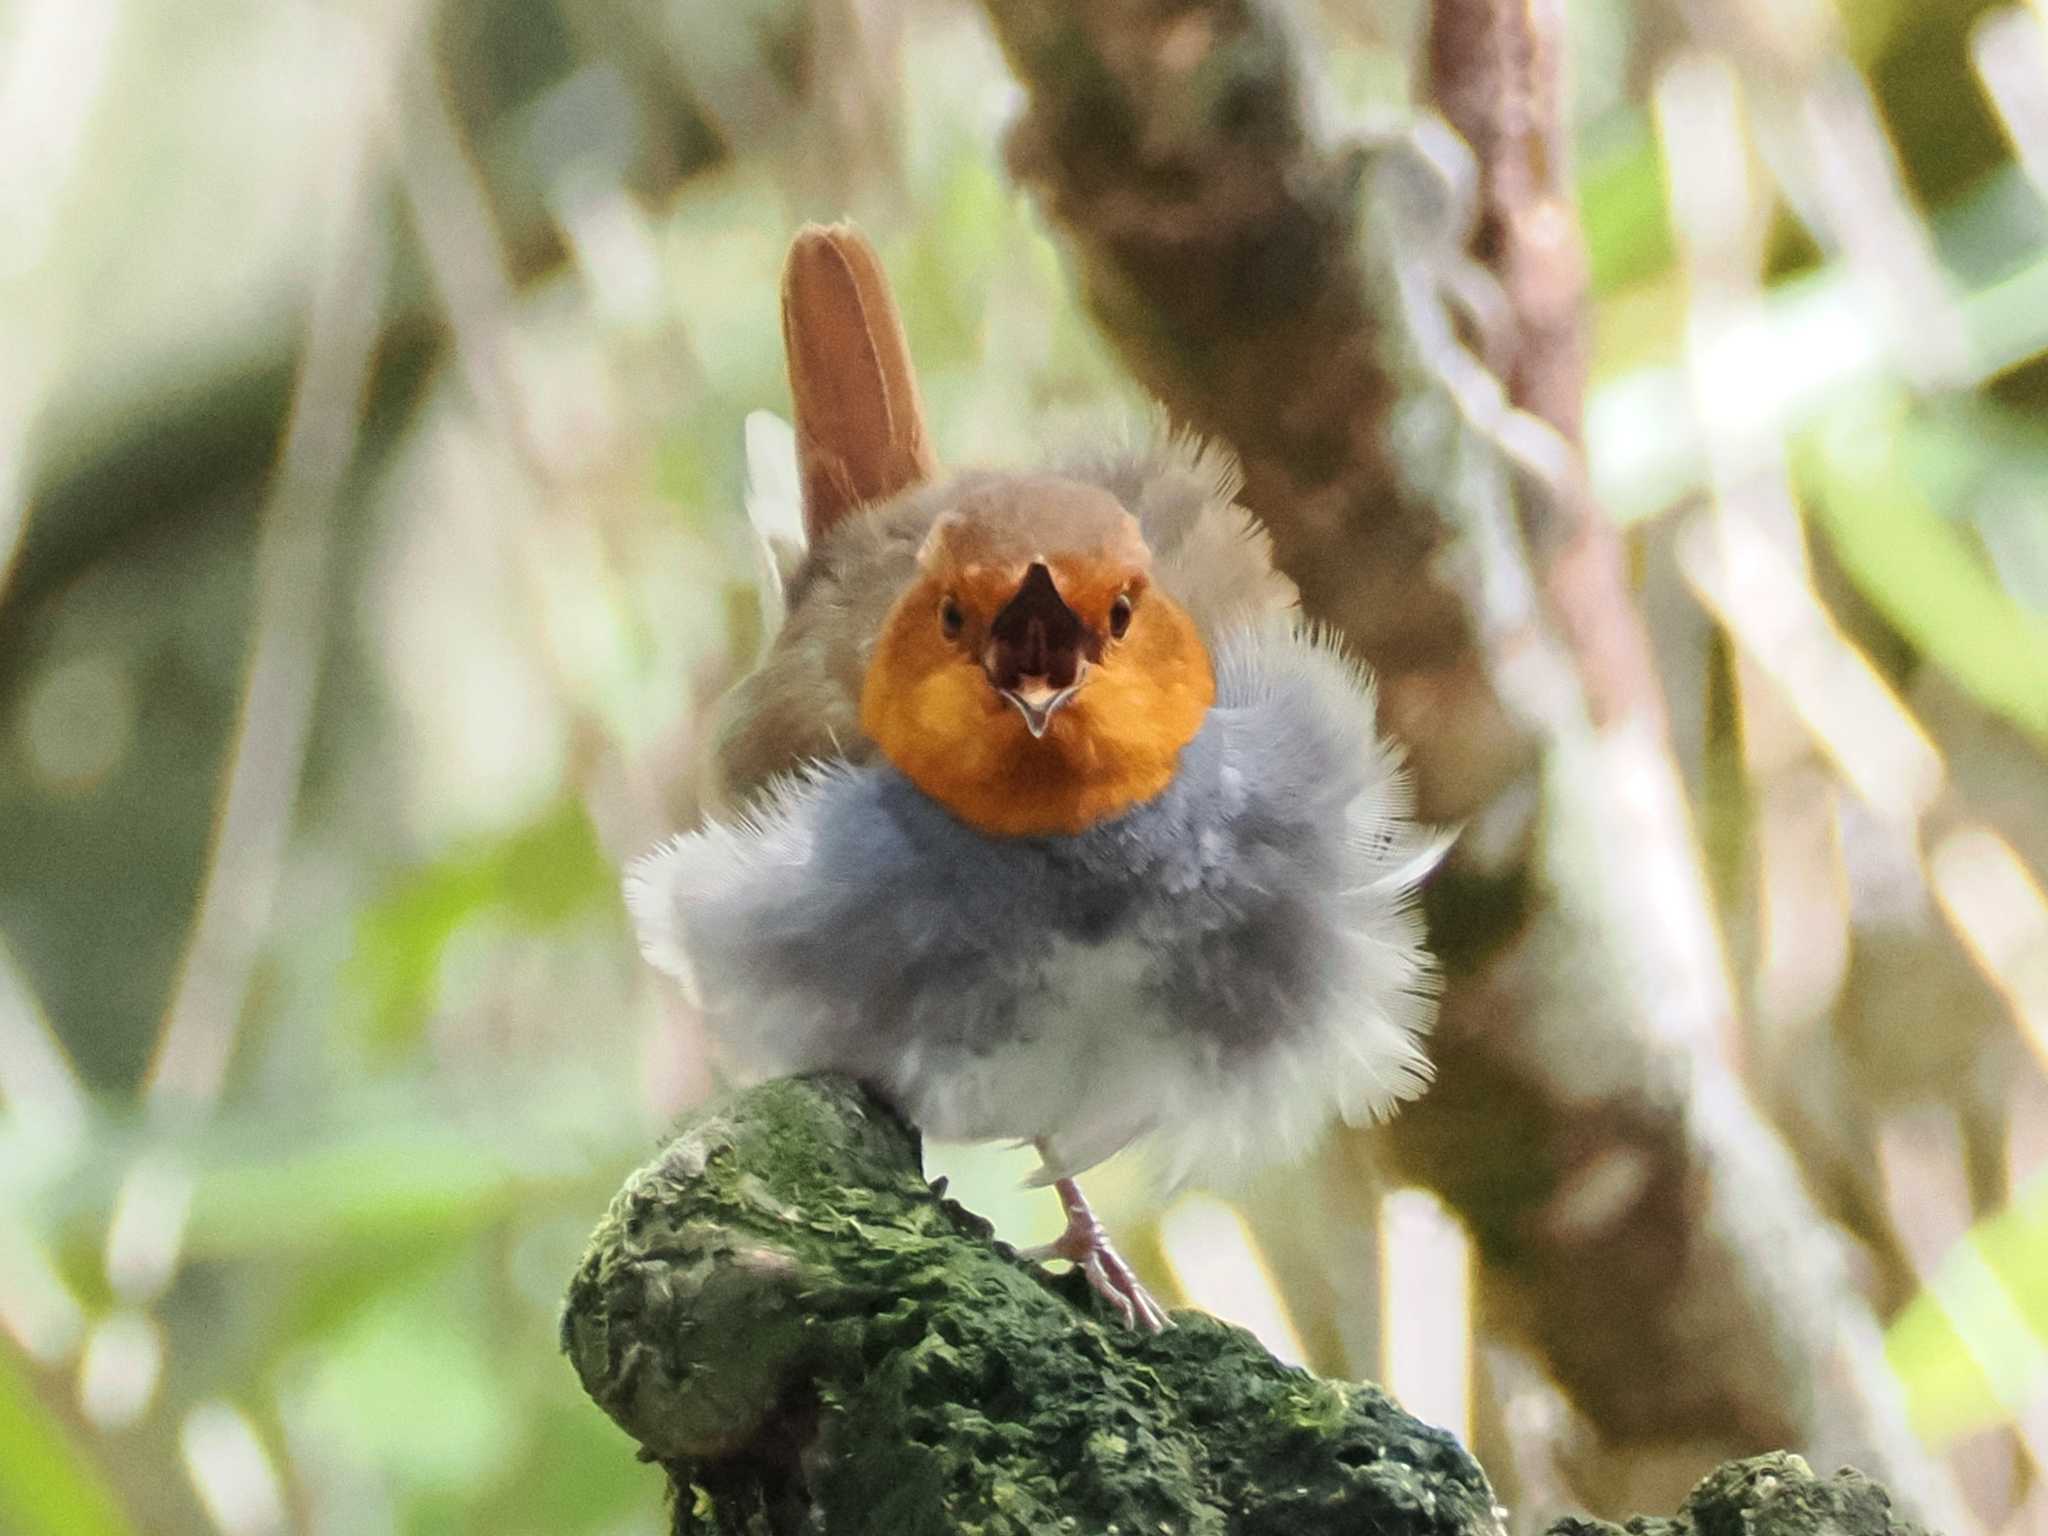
(809, 1337)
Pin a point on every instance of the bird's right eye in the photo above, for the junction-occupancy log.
(951, 619)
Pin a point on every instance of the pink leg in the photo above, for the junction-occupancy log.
(1086, 1243)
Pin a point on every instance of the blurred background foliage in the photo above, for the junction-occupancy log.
(372, 381)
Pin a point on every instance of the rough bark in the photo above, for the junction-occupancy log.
(1220, 247)
(1495, 74)
(810, 1338)
(1305, 301)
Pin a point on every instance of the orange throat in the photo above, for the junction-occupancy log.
(1114, 747)
(1004, 782)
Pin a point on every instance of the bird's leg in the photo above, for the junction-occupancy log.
(1087, 1244)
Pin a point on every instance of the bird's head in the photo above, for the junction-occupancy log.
(1031, 678)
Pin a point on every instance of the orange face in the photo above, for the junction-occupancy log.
(1032, 680)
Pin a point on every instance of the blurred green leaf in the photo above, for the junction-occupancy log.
(48, 1485)
(541, 876)
(685, 470)
(588, 1478)
(1917, 566)
(364, 1396)
(1947, 1393)
(1823, 340)
(325, 1292)
(387, 1184)
(1988, 465)
(1623, 210)
(1973, 1346)
(503, 1441)
(947, 266)
(727, 235)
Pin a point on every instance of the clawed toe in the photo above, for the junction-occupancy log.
(1111, 1277)
(1087, 1245)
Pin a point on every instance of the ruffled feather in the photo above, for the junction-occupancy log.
(1217, 973)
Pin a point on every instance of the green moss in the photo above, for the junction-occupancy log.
(810, 1337)
(1773, 1495)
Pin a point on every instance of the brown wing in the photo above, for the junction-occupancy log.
(860, 432)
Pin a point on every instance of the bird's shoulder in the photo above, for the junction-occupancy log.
(802, 702)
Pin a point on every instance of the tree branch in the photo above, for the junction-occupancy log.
(1220, 247)
(809, 1338)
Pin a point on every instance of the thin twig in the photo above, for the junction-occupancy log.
(268, 749)
(267, 752)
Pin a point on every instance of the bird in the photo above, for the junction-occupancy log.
(1045, 814)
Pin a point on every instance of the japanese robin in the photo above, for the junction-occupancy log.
(1047, 815)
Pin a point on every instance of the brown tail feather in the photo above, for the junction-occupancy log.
(860, 432)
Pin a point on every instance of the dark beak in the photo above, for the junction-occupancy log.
(1038, 650)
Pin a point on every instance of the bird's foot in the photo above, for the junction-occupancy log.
(1086, 1243)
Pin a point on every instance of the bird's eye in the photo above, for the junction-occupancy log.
(951, 619)
(1120, 615)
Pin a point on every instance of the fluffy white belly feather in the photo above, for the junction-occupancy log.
(1081, 1074)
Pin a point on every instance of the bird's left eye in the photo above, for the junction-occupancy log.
(1120, 616)
(951, 619)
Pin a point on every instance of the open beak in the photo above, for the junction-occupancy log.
(1038, 701)
(1038, 650)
